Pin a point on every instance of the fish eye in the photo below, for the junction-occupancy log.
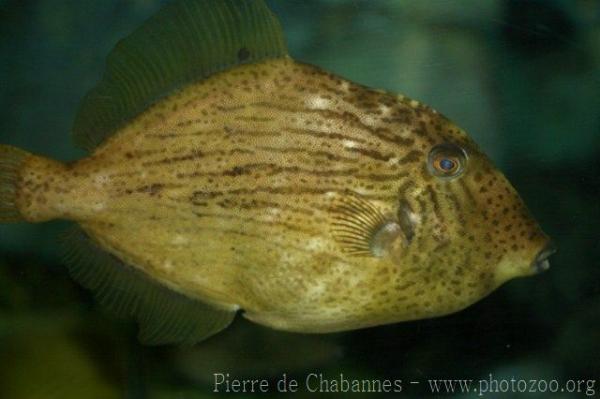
(446, 161)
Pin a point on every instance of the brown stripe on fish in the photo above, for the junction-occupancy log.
(194, 155)
(452, 196)
(136, 153)
(412, 157)
(321, 134)
(152, 189)
(284, 190)
(256, 204)
(310, 153)
(274, 170)
(468, 192)
(437, 209)
(228, 108)
(383, 134)
(257, 221)
(292, 183)
(373, 154)
(253, 118)
(165, 136)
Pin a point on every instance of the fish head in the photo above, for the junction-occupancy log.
(466, 230)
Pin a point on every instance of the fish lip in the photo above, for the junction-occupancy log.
(541, 262)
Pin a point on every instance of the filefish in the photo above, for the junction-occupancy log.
(223, 176)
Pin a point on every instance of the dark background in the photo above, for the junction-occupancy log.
(522, 77)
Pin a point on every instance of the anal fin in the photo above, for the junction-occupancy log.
(164, 316)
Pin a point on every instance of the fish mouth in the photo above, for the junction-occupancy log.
(541, 262)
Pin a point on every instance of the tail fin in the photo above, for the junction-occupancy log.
(11, 160)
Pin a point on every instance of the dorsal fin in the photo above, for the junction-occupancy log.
(164, 316)
(186, 41)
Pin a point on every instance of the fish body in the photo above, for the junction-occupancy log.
(309, 202)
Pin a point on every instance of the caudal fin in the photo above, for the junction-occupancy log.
(11, 160)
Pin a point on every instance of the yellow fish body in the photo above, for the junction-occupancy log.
(249, 181)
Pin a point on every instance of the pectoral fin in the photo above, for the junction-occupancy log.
(361, 229)
(164, 316)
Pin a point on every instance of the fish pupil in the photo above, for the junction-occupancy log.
(447, 164)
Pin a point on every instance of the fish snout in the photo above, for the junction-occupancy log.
(541, 262)
(532, 259)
